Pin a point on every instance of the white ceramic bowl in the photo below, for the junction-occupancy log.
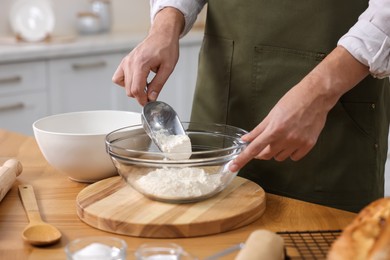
(74, 143)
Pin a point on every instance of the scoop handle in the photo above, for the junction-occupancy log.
(8, 173)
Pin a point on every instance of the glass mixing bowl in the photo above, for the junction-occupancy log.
(204, 174)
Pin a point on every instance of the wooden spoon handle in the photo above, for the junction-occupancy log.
(29, 202)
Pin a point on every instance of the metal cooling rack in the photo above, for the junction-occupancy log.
(308, 244)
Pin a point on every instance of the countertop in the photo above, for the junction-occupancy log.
(12, 50)
(56, 196)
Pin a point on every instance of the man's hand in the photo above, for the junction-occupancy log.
(159, 53)
(293, 126)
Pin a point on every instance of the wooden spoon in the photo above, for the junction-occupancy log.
(37, 232)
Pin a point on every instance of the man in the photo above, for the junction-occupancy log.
(281, 69)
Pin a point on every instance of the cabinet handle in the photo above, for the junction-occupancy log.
(13, 79)
(18, 105)
(92, 65)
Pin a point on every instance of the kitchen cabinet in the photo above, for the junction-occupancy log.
(23, 95)
(41, 80)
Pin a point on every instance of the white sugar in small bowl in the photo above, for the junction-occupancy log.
(96, 247)
(204, 174)
(74, 143)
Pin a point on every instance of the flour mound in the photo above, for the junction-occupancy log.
(179, 182)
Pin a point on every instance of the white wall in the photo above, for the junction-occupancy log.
(128, 15)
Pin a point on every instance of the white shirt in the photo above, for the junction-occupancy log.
(189, 8)
(368, 40)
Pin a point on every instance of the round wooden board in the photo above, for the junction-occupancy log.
(112, 205)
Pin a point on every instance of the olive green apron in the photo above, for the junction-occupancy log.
(253, 52)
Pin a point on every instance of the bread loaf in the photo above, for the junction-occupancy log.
(367, 237)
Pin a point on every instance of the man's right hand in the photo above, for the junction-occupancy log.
(158, 52)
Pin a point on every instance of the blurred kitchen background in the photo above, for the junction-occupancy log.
(127, 15)
(72, 69)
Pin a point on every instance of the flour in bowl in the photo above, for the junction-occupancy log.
(179, 182)
(175, 147)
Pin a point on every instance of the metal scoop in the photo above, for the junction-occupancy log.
(159, 117)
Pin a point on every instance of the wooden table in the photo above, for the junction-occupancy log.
(56, 196)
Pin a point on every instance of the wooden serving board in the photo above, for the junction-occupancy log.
(112, 205)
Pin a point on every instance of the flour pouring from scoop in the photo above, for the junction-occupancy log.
(164, 127)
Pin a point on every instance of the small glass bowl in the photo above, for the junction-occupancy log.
(162, 251)
(96, 247)
(204, 174)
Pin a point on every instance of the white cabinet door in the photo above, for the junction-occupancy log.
(19, 78)
(23, 95)
(83, 83)
(18, 112)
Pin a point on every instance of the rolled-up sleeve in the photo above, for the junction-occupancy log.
(189, 8)
(368, 40)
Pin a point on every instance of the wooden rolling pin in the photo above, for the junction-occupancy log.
(8, 173)
(262, 244)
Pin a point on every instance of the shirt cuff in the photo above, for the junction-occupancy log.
(189, 8)
(369, 45)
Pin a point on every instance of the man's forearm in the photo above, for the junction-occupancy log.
(335, 75)
(170, 21)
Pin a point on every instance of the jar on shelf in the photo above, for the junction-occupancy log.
(88, 23)
(103, 9)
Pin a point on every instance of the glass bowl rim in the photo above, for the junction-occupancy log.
(240, 145)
